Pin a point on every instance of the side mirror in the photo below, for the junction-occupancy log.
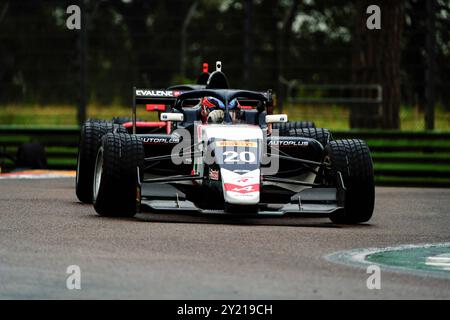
(276, 118)
(176, 117)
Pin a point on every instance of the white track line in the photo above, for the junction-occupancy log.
(441, 261)
(357, 258)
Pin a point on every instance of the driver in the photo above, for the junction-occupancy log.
(213, 110)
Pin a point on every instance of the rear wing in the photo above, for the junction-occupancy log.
(154, 100)
(143, 96)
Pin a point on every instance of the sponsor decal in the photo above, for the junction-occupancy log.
(213, 174)
(288, 143)
(156, 140)
(237, 143)
(157, 93)
(241, 189)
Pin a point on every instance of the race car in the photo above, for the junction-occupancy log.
(221, 154)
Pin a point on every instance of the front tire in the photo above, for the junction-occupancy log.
(352, 159)
(117, 175)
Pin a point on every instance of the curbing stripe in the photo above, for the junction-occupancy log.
(357, 258)
(37, 174)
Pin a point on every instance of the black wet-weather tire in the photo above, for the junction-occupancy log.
(117, 175)
(352, 158)
(285, 127)
(324, 136)
(90, 137)
(31, 155)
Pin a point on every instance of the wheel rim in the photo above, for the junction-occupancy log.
(98, 172)
(78, 169)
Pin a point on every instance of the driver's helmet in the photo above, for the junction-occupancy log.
(211, 103)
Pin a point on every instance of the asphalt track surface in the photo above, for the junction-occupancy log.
(44, 229)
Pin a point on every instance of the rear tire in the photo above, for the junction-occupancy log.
(285, 127)
(117, 175)
(324, 136)
(90, 137)
(352, 159)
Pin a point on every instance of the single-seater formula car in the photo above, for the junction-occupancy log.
(221, 154)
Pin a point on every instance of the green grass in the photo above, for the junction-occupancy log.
(61, 115)
(333, 117)
(337, 117)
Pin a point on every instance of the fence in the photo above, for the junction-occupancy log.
(400, 158)
(153, 44)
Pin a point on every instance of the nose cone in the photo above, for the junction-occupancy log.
(241, 189)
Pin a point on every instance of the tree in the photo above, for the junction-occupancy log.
(376, 60)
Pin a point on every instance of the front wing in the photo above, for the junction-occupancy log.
(312, 202)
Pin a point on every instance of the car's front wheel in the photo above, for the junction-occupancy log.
(117, 175)
(353, 160)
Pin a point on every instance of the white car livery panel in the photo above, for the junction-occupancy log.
(231, 132)
(239, 187)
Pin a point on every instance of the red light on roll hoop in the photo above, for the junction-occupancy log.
(155, 107)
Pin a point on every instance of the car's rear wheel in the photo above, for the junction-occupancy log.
(90, 137)
(285, 127)
(352, 159)
(324, 136)
(117, 175)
